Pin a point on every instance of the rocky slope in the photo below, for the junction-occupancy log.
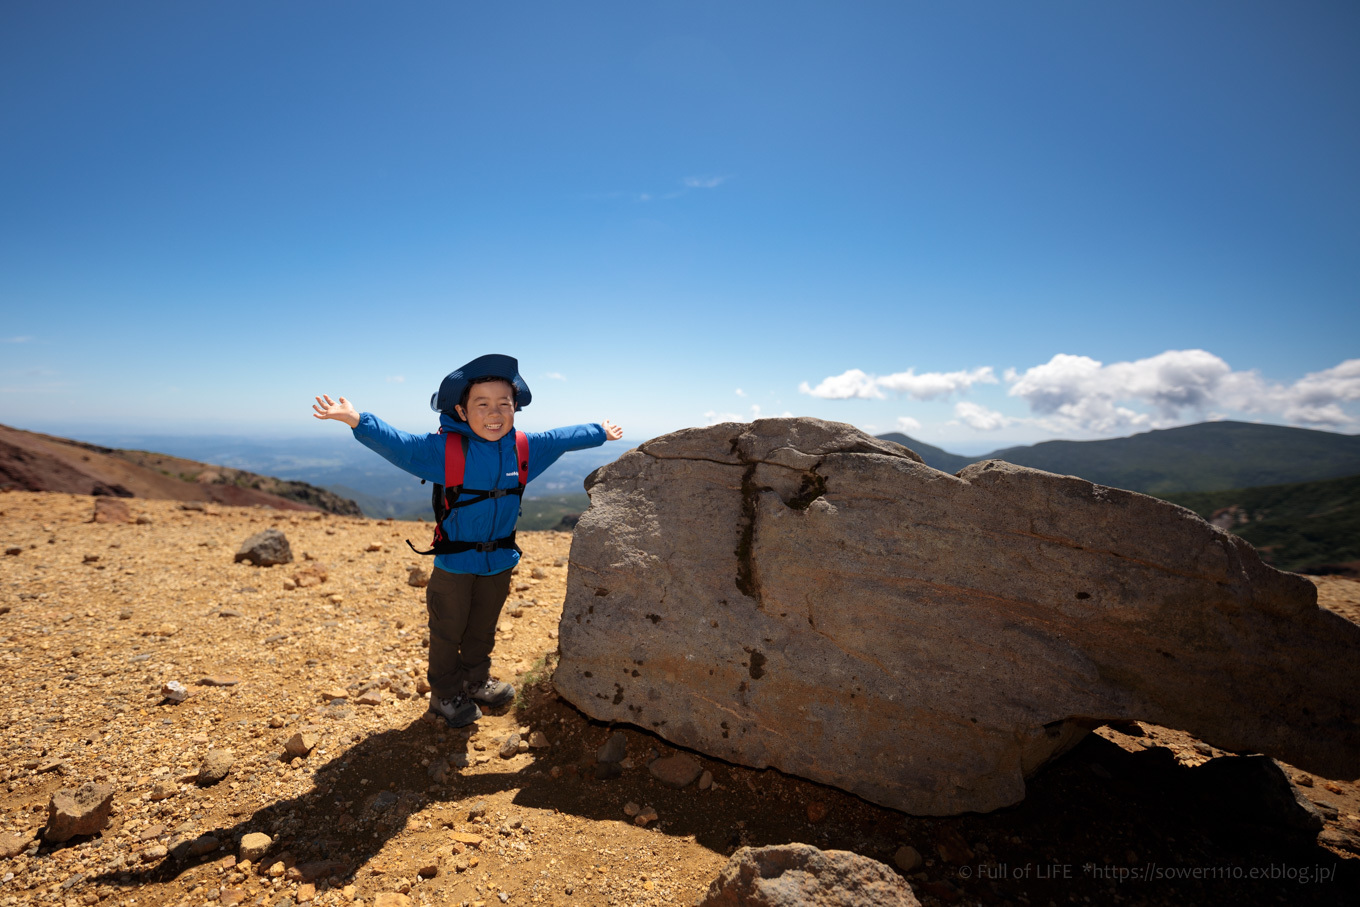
(96, 618)
(36, 462)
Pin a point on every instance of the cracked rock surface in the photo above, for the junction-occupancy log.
(797, 594)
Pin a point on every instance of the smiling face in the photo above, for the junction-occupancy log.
(490, 409)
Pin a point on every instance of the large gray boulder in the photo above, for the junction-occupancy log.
(797, 594)
(800, 875)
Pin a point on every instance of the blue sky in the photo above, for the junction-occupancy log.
(980, 223)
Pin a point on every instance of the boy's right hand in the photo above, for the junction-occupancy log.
(340, 410)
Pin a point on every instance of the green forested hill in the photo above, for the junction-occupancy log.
(1210, 456)
(1306, 527)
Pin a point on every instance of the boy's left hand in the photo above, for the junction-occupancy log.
(611, 431)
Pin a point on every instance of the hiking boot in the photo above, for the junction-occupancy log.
(456, 712)
(492, 692)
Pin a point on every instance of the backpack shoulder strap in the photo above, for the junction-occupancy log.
(522, 456)
(455, 459)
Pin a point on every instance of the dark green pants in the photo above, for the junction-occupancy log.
(463, 610)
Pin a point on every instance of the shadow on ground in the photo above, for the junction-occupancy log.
(1101, 822)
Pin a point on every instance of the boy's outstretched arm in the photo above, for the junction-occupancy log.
(611, 431)
(341, 410)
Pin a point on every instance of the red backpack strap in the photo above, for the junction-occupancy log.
(455, 459)
(522, 456)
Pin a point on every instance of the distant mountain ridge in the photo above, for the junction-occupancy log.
(36, 462)
(1209, 456)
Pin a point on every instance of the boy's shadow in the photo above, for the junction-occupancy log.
(358, 801)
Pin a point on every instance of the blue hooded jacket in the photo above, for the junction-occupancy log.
(489, 464)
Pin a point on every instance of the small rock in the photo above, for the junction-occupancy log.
(216, 765)
(477, 811)
(371, 697)
(163, 790)
(276, 721)
(219, 680)
(334, 693)
(816, 811)
(300, 745)
(908, 858)
(401, 686)
(614, 749)
(83, 811)
(254, 846)
(428, 871)
(266, 549)
(680, 770)
(11, 845)
(154, 852)
(706, 780)
(645, 817)
(800, 874)
(125, 614)
(14, 551)
(439, 772)
(230, 612)
(195, 847)
(1304, 780)
(374, 546)
(631, 809)
(538, 573)
(111, 510)
(510, 746)
(538, 741)
(418, 577)
(306, 892)
(311, 574)
(167, 630)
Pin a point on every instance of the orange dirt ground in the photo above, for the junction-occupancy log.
(94, 618)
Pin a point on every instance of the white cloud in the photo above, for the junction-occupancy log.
(396, 379)
(740, 392)
(705, 182)
(845, 386)
(980, 417)
(555, 376)
(925, 386)
(1080, 396)
(1078, 393)
(22, 339)
(907, 423)
(929, 385)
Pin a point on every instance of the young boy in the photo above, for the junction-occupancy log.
(471, 580)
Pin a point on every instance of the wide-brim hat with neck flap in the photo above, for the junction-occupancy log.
(492, 365)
